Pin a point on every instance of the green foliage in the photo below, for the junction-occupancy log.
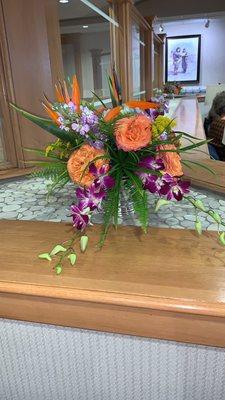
(111, 207)
(139, 199)
(48, 126)
(55, 171)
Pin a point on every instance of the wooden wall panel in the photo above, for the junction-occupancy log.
(28, 44)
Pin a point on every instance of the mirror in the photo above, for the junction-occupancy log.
(192, 71)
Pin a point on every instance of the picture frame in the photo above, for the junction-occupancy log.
(182, 62)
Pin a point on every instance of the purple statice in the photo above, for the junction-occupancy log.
(176, 189)
(164, 136)
(87, 125)
(90, 199)
(163, 107)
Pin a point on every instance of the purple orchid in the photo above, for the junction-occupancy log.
(152, 163)
(102, 181)
(90, 198)
(176, 189)
(80, 219)
(155, 184)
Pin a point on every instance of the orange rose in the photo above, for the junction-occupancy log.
(79, 160)
(133, 133)
(171, 160)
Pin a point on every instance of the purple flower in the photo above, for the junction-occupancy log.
(163, 136)
(152, 163)
(71, 106)
(80, 219)
(155, 184)
(75, 126)
(175, 190)
(90, 198)
(102, 180)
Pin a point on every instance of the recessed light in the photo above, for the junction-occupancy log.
(85, 26)
(64, 1)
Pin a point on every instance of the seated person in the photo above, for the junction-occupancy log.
(215, 127)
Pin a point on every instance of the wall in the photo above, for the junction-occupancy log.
(43, 362)
(164, 8)
(212, 67)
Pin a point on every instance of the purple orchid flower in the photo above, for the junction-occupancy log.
(90, 198)
(175, 190)
(155, 184)
(102, 180)
(80, 219)
(152, 163)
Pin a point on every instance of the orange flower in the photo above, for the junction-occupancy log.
(80, 159)
(133, 133)
(171, 160)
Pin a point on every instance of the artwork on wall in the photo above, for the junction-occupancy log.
(183, 58)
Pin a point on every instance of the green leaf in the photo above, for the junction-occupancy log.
(83, 243)
(200, 165)
(72, 257)
(58, 269)
(215, 216)
(193, 146)
(139, 199)
(198, 226)
(45, 256)
(111, 207)
(99, 99)
(160, 203)
(57, 249)
(187, 135)
(222, 238)
(47, 125)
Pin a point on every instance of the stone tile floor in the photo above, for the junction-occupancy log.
(25, 199)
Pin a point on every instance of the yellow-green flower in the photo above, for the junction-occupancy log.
(162, 124)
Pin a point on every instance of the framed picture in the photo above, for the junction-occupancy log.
(183, 59)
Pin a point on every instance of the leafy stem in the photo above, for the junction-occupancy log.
(65, 250)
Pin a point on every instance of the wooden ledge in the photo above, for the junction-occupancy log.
(167, 284)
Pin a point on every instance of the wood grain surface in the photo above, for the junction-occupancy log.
(168, 284)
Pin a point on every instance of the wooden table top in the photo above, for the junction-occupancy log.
(167, 270)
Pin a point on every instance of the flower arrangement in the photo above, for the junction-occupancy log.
(174, 88)
(127, 148)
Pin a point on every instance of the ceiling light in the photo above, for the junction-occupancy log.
(207, 23)
(85, 26)
(161, 28)
(64, 1)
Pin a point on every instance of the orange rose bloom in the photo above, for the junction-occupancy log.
(171, 160)
(79, 160)
(133, 133)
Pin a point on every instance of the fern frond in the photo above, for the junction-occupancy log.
(49, 170)
(111, 208)
(139, 200)
(58, 182)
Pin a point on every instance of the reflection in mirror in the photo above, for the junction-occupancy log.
(193, 75)
(85, 38)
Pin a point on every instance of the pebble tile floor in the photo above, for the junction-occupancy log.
(26, 199)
